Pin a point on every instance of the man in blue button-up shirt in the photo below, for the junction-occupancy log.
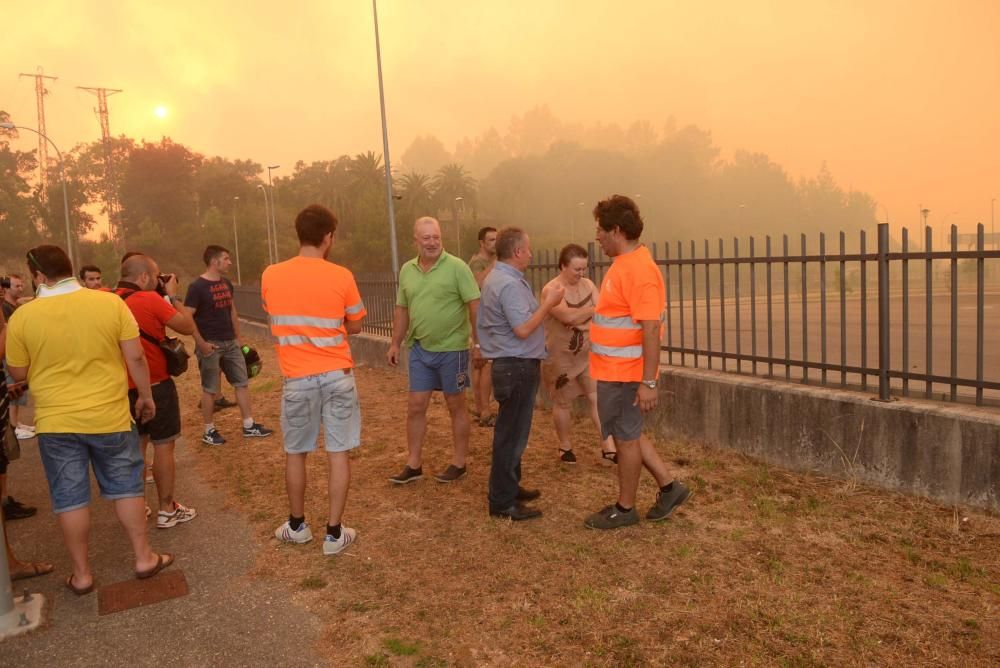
(510, 334)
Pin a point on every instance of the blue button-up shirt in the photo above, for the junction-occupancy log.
(507, 302)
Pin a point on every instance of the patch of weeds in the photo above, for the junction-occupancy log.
(911, 555)
(400, 648)
(588, 597)
(767, 509)
(583, 549)
(709, 464)
(812, 504)
(360, 607)
(260, 516)
(379, 660)
(537, 621)
(683, 551)
(964, 571)
(800, 661)
(736, 535)
(262, 387)
(970, 624)
(861, 579)
(430, 662)
(698, 483)
(622, 651)
(775, 568)
(936, 581)
(312, 582)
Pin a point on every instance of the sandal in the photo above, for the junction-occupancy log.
(79, 591)
(31, 569)
(162, 561)
(610, 456)
(567, 456)
(488, 421)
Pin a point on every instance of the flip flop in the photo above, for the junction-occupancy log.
(162, 561)
(32, 569)
(609, 456)
(488, 421)
(79, 591)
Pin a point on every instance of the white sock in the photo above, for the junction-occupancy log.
(247, 422)
(209, 427)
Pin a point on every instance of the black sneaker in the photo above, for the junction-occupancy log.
(256, 430)
(222, 403)
(517, 513)
(15, 510)
(212, 438)
(451, 474)
(567, 456)
(667, 502)
(408, 475)
(611, 518)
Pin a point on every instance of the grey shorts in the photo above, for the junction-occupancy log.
(328, 400)
(620, 417)
(228, 359)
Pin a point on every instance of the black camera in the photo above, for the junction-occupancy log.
(162, 280)
(5, 282)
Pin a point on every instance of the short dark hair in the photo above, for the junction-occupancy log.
(50, 260)
(88, 267)
(570, 252)
(621, 212)
(313, 224)
(212, 252)
(507, 241)
(129, 254)
(483, 231)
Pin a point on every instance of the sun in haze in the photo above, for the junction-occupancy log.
(160, 111)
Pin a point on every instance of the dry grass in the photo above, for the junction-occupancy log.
(763, 567)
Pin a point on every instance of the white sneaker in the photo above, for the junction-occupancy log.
(180, 515)
(333, 545)
(23, 433)
(285, 534)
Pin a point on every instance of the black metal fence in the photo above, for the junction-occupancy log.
(898, 320)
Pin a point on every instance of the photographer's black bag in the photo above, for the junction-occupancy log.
(173, 349)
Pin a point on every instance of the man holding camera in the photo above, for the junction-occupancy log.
(139, 287)
(210, 301)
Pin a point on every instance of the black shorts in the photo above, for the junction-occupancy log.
(165, 427)
(620, 417)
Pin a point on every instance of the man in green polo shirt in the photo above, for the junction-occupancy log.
(435, 315)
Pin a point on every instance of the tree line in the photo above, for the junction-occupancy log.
(541, 174)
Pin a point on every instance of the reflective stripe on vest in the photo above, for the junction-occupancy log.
(627, 352)
(307, 321)
(621, 322)
(354, 310)
(318, 341)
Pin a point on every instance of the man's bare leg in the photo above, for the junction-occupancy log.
(132, 516)
(295, 483)
(459, 427)
(339, 480)
(75, 526)
(164, 474)
(629, 467)
(416, 426)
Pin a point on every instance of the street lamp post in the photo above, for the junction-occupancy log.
(459, 201)
(236, 240)
(267, 224)
(385, 149)
(62, 178)
(993, 232)
(572, 226)
(274, 223)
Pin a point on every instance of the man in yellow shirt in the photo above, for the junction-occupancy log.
(73, 346)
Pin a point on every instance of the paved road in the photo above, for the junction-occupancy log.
(228, 619)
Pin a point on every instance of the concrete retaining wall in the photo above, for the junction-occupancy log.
(945, 452)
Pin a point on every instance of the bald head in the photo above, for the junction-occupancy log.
(135, 266)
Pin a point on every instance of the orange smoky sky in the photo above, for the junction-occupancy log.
(900, 99)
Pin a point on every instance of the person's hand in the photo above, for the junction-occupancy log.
(392, 357)
(206, 348)
(145, 409)
(555, 295)
(478, 362)
(15, 390)
(170, 285)
(646, 398)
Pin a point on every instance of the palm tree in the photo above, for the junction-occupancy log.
(416, 194)
(453, 184)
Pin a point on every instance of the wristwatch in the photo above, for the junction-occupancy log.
(651, 384)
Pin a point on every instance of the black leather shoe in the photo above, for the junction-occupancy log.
(15, 510)
(517, 513)
(528, 494)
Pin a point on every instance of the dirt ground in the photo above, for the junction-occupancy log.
(761, 567)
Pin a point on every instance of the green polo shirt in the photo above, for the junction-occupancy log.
(436, 300)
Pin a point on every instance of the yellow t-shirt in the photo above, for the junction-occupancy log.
(69, 340)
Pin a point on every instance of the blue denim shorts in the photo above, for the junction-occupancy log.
(328, 400)
(117, 462)
(447, 372)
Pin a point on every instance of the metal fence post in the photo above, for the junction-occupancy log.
(883, 312)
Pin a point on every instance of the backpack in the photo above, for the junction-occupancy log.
(173, 349)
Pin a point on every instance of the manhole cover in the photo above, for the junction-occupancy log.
(134, 593)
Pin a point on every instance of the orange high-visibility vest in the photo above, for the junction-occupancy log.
(631, 291)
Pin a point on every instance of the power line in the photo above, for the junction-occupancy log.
(43, 149)
(115, 228)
